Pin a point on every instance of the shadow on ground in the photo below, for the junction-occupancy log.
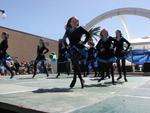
(105, 84)
(60, 77)
(25, 78)
(53, 90)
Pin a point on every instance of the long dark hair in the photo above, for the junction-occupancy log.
(119, 32)
(43, 43)
(69, 21)
(5, 34)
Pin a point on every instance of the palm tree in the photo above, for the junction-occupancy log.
(94, 32)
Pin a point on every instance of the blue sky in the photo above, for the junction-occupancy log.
(48, 17)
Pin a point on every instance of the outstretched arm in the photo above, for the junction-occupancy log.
(128, 44)
(46, 50)
(87, 34)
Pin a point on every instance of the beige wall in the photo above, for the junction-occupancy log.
(23, 45)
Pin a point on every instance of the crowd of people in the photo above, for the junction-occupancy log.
(99, 57)
(23, 67)
(11, 65)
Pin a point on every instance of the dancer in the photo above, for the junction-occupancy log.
(41, 51)
(105, 55)
(74, 33)
(120, 53)
(63, 64)
(3, 53)
(91, 60)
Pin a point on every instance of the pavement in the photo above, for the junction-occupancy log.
(22, 94)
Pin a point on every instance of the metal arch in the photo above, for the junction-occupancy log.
(116, 12)
(125, 24)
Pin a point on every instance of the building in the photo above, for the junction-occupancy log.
(141, 45)
(23, 45)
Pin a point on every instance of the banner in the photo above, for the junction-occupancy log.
(139, 56)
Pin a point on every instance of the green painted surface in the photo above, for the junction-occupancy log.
(54, 95)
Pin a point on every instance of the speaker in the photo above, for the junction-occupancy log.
(146, 67)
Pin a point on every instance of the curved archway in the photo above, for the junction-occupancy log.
(117, 12)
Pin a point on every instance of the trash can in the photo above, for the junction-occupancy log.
(64, 67)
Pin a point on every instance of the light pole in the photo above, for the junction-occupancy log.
(2, 14)
(132, 62)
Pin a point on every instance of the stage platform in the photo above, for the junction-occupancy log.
(22, 94)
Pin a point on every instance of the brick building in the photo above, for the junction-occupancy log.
(23, 45)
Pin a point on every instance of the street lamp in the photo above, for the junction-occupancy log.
(2, 14)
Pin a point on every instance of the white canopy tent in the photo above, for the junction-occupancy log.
(2, 14)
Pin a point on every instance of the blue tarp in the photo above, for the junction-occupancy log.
(139, 56)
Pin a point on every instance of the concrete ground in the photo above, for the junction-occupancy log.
(26, 95)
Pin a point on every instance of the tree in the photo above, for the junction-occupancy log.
(94, 32)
